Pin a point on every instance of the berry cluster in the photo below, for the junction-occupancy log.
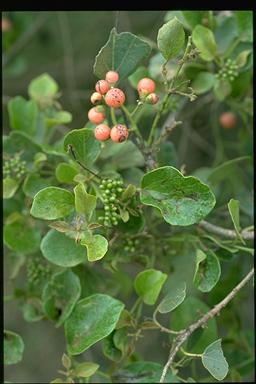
(112, 97)
(14, 167)
(229, 71)
(130, 245)
(36, 271)
(111, 191)
(146, 89)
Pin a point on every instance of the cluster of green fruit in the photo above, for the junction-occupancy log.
(229, 71)
(14, 167)
(37, 271)
(130, 245)
(111, 192)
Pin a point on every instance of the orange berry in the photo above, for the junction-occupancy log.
(227, 120)
(119, 133)
(112, 77)
(152, 98)
(96, 98)
(102, 132)
(146, 85)
(115, 98)
(102, 86)
(96, 116)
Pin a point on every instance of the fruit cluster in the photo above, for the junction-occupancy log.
(229, 71)
(36, 271)
(130, 245)
(14, 167)
(111, 192)
(113, 97)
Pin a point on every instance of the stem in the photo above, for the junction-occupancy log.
(190, 354)
(133, 124)
(71, 150)
(180, 339)
(136, 108)
(228, 233)
(135, 305)
(162, 328)
(113, 116)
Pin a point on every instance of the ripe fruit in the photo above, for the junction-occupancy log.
(96, 116)
(102, 132)
(102, 86)
(152, 98)
(112, 77)
(119, 133)
(146, 85)
(115, 98)
(96, 98)
(227, 120)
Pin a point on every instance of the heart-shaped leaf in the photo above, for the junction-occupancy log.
(182, 200)
(43, 88)
(52, 203)
(97, 247)
(173, 299)
(23, 114)
(148, 285)
(84, 202)
(13, 347)
(60, 295)
(92, 319)
(204, 40)
(207, 271)
(61, 250)
(171, 38)
(22, 238)
(86, 148)
(214, 360)
(10, 186)
(122, 53)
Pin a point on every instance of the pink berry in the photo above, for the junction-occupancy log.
(112, 77)
(152, 98)
(96, 116)
(146, 85)
(96, 98)
(115, 98)
(102, 132)
(119, 133)
(102, 86)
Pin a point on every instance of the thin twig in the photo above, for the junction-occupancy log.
(71, 150)
(228, 233)
(180, 339)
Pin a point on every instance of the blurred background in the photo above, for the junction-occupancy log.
(64, 44)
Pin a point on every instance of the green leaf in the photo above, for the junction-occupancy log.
(84, 202)
(58, 118)
(10, 186)
(203, 82)
(226, 169)
(13, 348)
(189, 312)
(61, 250)
(43, 88)
(233, 207)
(167, 154)
(23, 114)
(19, 142)
(109, 349)
(222, 88)
(207, 272)
(148, 285)
(92, 319)
(182, 200)
(173, 299)
(204, 40)
(139, 74)
(124, 155)
(52, 203)
(214, 361)
(65, 173)
(225, 33)
(122, 53)
(128, 192)
(60, 296)
(86, 148)
(85, 369)
(144, 372)
(171, 38)
(193, 17)
(244, 23)
(32, 310)
(97, 247)
(241, 59)
(34, 183)
(22, 238)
